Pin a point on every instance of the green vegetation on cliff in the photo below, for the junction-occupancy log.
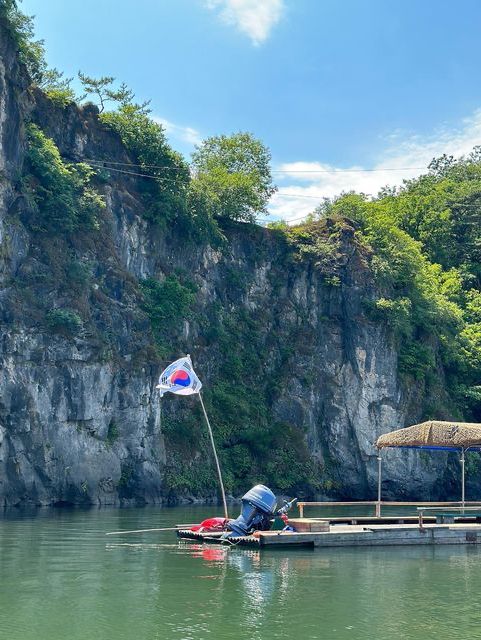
(253, 446)
(60, 194)
(423, 245)
(165, 194)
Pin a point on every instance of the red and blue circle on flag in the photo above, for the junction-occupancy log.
(181, 378)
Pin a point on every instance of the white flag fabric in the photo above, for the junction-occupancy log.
(179, 378)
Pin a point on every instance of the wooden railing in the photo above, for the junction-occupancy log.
(378, 505)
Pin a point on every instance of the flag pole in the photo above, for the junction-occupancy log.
(215, 456)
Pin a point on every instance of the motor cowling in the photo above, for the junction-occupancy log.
(258, 508)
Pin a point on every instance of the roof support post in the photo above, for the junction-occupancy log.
(379, 484)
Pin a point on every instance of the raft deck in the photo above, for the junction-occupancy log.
(353, 535)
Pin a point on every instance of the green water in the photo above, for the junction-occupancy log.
(61, 578)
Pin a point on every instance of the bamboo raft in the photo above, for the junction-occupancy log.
(442, 525)
(446, 522)
(352, 535)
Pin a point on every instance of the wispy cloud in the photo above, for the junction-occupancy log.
(255, 18)
(404, 156)
(181, 133)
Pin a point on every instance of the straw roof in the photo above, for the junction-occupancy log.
(434, 434)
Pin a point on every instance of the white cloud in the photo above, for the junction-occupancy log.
(255, 18)
(181, 133)
(403, 157)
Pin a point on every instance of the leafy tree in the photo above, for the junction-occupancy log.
(442, 210)
(103, 89)
(99, 87)
(234, 173)
(57, 87)
(32, 54)
(21, 28)
(323, 209)
(280, 225)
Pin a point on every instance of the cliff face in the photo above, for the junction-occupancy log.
(80, 421)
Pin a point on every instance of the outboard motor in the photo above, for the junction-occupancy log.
(258, 508)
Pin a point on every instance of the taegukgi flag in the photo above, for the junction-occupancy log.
(179, 378)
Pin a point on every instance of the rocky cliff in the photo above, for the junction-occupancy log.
(300, 381)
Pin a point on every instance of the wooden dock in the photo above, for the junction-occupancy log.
(353, 535)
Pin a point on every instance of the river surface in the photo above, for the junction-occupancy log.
(61, 578)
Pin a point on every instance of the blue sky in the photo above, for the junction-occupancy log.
(327, 85)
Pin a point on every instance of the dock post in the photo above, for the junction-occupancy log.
(462, 479)
(379, 471)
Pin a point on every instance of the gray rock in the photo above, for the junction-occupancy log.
(78, 426)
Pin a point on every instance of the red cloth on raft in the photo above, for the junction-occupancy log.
(211, 524)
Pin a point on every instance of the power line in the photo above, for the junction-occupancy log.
(280, 193)
(162, 179)
(288, 171)
(346, 170)
(133, 164)
(298, 195)
(101, 164)
(141, 175)
(290, 219)
(321, 196)
(266, 220)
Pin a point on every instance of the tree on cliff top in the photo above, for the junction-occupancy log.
(233, 172)
(31, 53)
(21, 28)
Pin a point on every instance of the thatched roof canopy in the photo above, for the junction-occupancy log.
(434, 434)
